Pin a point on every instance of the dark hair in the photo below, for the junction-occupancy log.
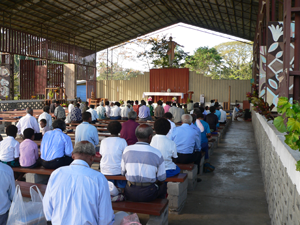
(191, 101)
(92, 106)
(168, 115)
(159, 102)
(114, 127)
(179, 106)
(212, 109)
(194, 117)
(86, 116)
(28, 133)
(212, 101)
(201, 109)
(136, 102)
(128, 102)
(79, 100)
(150, 102)
(72, 102)
(11, 130)
(174, 104)
(106, 102)
(78, 105)
(46, 108)
(217, 105)
(185, 106)
(44, 121)
(168, 103)
(59, 124)
(206, 107)
(198, 113)
(57, 102)
(196, 105)
(143, 102)
(162, 126)
(117, 104)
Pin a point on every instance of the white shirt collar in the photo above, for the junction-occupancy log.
(80, 162)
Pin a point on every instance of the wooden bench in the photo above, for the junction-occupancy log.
(43, 171)
(177, 178)
(157, 209)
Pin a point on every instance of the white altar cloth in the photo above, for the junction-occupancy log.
(163, 94)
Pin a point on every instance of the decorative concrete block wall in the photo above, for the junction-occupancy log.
(281, 180)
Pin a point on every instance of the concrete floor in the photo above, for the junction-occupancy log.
(233, 194)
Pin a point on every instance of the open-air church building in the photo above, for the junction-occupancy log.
(247, 172)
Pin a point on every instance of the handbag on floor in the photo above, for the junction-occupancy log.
(27, 213)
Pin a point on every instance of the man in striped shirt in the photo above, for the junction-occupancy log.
(144, 168)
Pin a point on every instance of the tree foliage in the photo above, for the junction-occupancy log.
(157, 54)
(236, 60)
(205, 61)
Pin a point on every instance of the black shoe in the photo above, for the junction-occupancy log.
(199, 180)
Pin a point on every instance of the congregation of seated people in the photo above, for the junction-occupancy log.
(132, 150)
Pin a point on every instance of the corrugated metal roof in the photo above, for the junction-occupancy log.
(98, 24)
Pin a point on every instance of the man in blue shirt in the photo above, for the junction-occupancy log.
(144, 112)
(87, 132)
(186, 140)
(197, 148)
(56, 147)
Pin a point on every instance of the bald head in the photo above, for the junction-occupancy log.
(144, 133)
(186, 118)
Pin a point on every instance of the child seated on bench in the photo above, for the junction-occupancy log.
(29, 152)
(44, 127)
(166, 146)
(10, 148)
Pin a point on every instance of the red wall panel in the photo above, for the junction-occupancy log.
(175, 79)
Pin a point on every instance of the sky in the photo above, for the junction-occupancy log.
(191, 37)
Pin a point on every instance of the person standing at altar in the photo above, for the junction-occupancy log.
(167, 106)
(144, 112)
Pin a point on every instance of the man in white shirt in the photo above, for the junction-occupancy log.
(176, 112)
(45, 115)
(107, 109)
(223, 116)
(124, 112)
(7, 190)
(115, 113)
(28, 121)
(71, 106)
(93, 113)
(86, 131)
(10, 147)
(166, 146)
(169, 117)
(77, 194)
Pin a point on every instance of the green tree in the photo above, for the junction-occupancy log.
(158, 56)
(236, 60)
(205, 61)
